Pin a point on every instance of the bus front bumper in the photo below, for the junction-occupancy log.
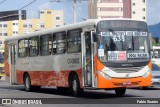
(123, 82)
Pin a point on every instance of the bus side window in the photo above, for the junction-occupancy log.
(59, 43)
(34, 46)
(23, 48)
(45, 44)
(54, 44)
(74, 41)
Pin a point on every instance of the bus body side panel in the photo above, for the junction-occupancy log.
(52, 70)
(63, 77)
(115, 82)
(19, 75)
(48, 78)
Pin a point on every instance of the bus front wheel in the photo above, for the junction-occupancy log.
(28, 86)
(75, 86)
(120, 91)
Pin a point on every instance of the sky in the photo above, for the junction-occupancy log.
(153, 7)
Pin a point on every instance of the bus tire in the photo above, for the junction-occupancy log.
(120, 91)
(27, 83)
(75, 86)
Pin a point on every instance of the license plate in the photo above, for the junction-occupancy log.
(127, 83)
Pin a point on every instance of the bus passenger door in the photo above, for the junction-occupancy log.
(87, 59)
(12, 52)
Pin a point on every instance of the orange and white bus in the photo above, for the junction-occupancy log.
(94, 54)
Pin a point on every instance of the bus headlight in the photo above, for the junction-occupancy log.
(146, 74)
(104, 75)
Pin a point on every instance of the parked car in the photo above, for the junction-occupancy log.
(155, 75)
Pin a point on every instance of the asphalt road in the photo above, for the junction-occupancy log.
(90, 98)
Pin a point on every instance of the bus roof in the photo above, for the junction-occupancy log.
(66, 27)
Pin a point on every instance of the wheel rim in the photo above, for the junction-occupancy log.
(27, 82)
(74, 86)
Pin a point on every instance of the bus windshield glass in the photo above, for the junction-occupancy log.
(123, 41)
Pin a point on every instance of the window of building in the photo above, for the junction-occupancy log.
(15, 24)
(74, 41)
(134, 12)
(57, 25)
(144, 1)
(30, 25)
(5, 34)
(25, 25)
(0, 25)
(42, 12)
(15, 32)
(134, 4)
(42, 26)
(33, 46)
(4, 25)
(23, 48)
(45, 44)
(59, 43)
(144, 18)
(144, 9)
(120, 9)
(57, 17)
(0, 34)
(49, 12)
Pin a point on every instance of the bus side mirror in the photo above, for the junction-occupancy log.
(95, 39)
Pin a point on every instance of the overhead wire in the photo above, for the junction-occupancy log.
(27, 5)
(2, 1)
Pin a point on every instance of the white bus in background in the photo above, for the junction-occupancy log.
(94, 54)
(156, 55)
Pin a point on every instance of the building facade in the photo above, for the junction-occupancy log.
(135, 9)
(47, 19)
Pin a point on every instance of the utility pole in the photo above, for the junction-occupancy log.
(75, 11)
(74, 8)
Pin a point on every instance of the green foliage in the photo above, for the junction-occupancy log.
(154, 42)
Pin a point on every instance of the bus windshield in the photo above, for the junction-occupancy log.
(128, 43)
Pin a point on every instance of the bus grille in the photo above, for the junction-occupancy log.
(127, 70)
